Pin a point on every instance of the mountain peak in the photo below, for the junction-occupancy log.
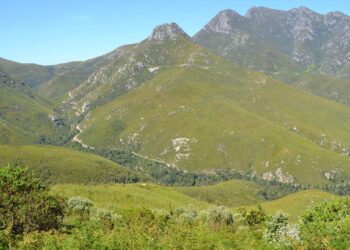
(303, 11)
(222, 22)
(168, 31)
(257, 12)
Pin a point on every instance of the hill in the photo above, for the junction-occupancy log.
(62, 165)
(230, 193)
(25, 116)
(203, 113)
(295, 204)
(142, 195)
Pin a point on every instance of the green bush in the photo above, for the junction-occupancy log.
(79, 206)
(106, 217)
(25, 204)
(327, 225)
(254, 216)
(216, 216)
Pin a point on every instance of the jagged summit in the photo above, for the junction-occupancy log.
(260, 11)
(222, 22)
(168, 31)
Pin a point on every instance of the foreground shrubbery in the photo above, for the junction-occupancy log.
(30, 218)
(25, 205)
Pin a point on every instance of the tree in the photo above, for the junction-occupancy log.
(25, 204)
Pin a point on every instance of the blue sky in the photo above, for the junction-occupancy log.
(57, 31)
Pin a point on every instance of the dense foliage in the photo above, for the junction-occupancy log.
(25, 204)
(32, 219)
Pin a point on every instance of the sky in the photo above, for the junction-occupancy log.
(56, 31)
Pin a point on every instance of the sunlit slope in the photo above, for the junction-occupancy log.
(230, 193)
(130, 196)
(62, 165)
(295, 204)
(211, 114)
(24, 114)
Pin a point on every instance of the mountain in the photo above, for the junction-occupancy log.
(193, 110)
(298, 46)
(24, 116)
(131, 65)
(320, 42)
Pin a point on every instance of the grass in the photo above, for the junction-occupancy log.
(62, 165)
(230, 193)
(295, 204)
(147, 195)
(122, 196)
(24, 114)
(225, 117)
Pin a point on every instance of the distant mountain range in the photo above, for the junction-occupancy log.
(264, 94)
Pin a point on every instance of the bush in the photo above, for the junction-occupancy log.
(25, 204)
(79, 205)
(280, 232)
(327, 225)
(106, 217)
(217, 215)
(187, 214)
(254, 216)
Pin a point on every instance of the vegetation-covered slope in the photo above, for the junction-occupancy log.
(25, 115)
(209, 114)
(288, 45)
(231, 193)
(296, 204)
(62, 165)
(142, 195)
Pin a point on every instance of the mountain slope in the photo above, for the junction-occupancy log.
(203, 113)
(293, 46)
(308, 38)
(132, 65)
(61, 165)
(24, 115)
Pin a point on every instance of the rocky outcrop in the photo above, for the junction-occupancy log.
(168, 31)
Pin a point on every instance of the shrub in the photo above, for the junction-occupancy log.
(327, 225)
(280, 232)
(254, 216)
(106, 217)
(187, 214)
(25, 204)
(217, 215)
(79, 205)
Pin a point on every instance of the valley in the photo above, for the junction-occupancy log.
(237, 137)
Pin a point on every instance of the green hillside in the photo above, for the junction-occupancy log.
(142, 195)
(31, 74)
(296, 204)
(209, 114)
(231, 193)
(62, 165)
(25, 115)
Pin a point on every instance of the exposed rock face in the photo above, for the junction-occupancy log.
(279, 176)
(167, 31)
(223, 22)
(320, 42)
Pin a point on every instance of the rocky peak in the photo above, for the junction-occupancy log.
(261, 12)
(222, 22)
(337, 20)
(168, 31)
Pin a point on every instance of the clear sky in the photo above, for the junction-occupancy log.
(57, 31)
